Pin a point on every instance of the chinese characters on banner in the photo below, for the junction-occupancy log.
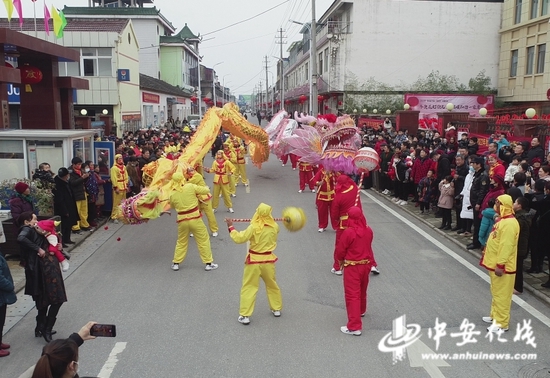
(430, 104)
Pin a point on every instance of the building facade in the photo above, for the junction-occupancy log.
(524, 74)
(393, 43)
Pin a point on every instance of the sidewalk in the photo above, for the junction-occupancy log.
(18, 273)
(532, 282)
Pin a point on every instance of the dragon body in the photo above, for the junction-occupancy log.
(153, 200)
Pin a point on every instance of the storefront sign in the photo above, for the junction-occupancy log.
(123, 74)
(181, 100)
(131, 117)
(429, 105)
(150, 98)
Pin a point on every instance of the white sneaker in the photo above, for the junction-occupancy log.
(276, 313)
(293, 169)
(210, 267)
(214, 234)
(300, 191)
(345, 330)
(282, 165)
(321, 230)
(487, 319)
(495, 328)
(64, 265)
(191, 234)
(386, 191)
(402, 203)
(215, 210)
(233, 195)
(395, 199)
(337, 272)
(244, 320)
(115, 221)
(374, 270)
(230, 210)
(175, 266)
(312, 190)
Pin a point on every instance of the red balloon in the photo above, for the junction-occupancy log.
(413, 101)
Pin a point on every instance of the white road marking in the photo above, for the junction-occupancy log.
(520, 302)
(111, 362)
(415, 352)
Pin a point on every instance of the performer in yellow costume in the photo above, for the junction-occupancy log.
(183, 199)
(260, 262)
(230, 155)
(499, 258)
(240, 152)
(222, 170)
(119, 179)
(205, 206)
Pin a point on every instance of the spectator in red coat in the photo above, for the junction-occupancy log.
(420, 169)
(496, 168)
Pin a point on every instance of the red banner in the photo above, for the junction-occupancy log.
(371, 123)
(150, 98)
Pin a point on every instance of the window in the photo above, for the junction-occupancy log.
(517, 19)
(326, 60)
(514, 64)
(541, 57)
(534, 8)
(530, 60)
(320, 68)
(69, 69)
(306, 70)
(544, 10)
(96, 61)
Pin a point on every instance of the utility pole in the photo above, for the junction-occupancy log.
(282, 74)
(313, 31)
(266, 84)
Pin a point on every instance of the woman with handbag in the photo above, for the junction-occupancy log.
(44, 281)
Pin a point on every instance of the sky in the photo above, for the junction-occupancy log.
(242, 48)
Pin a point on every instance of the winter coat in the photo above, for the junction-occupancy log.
(63, 202)
(480, 187)
(524, 219)
(467, 211)
(7, 293)
(535, 152)
(487, 222)
(426, 189)
(420, 169)
(443, 167)
(462, 171)
(78, 186)
(446, 196)
(401, 170)
(510, 172)
(18, 206)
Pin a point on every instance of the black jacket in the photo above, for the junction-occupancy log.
(524, 221)
(78, 186)
(443, 167)
(480, 187)
(462, 172)
(63, 202)
(401, 170)
(43, 176)
(472, 150)
(535, 152)
(31, 241)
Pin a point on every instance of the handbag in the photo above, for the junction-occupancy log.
(100, 200)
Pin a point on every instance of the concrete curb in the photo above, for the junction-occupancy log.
(536, 292)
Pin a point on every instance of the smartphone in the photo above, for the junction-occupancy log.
(103, 330)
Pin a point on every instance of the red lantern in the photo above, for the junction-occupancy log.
(320, 98)
(339, 103)
(30, 75)
(302, 98)
(326, 107)
(193, 99)
(206, 99)
(287, 101)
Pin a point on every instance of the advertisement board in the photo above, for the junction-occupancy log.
(430, 104)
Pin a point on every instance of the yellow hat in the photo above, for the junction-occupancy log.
(186, 129)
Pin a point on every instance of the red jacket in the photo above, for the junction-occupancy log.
(340, 206)
(352, 248)
(325, 191)
(420, 168)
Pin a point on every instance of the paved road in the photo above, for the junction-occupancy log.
(184, 324)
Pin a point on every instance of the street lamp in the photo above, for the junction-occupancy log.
(214, 83)
(312, 62)
(223, 85)
(272, 91)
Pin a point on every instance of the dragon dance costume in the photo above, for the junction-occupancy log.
(119, 179)
(205, 205)
(240, 153)
(222, 170)
(325, 194)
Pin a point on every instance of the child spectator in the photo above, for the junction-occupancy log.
(445, 202)
(425, 191)
(512, 169)
(487, 222)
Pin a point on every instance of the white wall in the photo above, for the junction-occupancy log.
(397, 41)
(149, 39)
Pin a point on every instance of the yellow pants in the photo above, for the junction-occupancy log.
(251, 284)
(502, 289)
(206, 209)
(82, 208)
(241, 172)
(200, 233)
(224, 188)
(232, 184)
(117, 199)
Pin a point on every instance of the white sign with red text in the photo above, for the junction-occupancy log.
(430, 104)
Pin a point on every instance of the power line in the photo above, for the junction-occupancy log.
(248, 19)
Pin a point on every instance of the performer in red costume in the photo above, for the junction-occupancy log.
(325, 194)
(293, 160)
(354, 254)
(306, 176)
(345, 197)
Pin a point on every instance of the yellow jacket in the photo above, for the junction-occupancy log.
(502, 244)
(232, 157)
(197, 179)
(119, 177)
(262, 244)
(185, 201)
(240, 152)
(172, 149)
(222, 171)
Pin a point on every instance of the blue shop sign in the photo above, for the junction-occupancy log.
(13, 95)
